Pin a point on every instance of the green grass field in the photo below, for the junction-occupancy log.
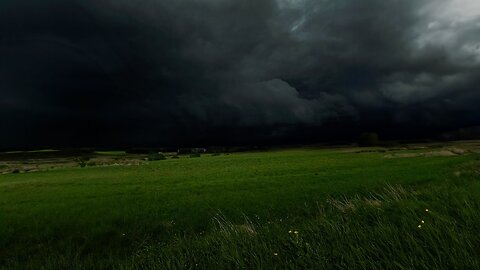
(284, 209)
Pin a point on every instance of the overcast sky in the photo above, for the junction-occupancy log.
(158, 72)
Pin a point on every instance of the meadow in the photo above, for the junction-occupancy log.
(412, 207)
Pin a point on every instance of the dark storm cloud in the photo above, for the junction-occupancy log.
(225, 71)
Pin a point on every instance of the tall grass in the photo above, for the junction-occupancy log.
(395, 232)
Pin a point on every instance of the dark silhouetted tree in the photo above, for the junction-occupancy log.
(368, 139)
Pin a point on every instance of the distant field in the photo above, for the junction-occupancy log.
(342, 208)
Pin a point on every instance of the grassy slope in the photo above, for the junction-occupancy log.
(152, 215)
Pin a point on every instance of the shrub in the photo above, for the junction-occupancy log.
(368, 139)
(16, 171)
(82, 161)
(156, 156)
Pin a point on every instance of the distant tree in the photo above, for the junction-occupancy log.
(368, 139)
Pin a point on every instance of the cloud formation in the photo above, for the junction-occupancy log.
(225, 71)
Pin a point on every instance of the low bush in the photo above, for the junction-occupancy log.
(156, 156)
